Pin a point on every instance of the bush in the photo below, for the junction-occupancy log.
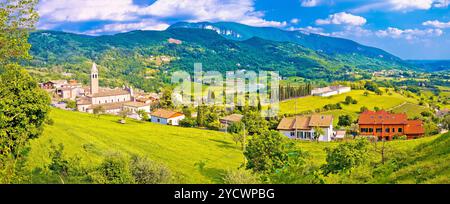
(240, 177)
(114, 169)
(188, 122)
(146, 171)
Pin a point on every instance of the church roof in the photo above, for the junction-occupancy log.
(110, 92)
(94, 68)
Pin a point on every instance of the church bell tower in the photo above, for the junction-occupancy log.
(94, 79)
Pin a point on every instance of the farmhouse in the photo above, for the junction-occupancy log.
(302, 127)
(386, 125)
(330, 91)
(228, 120)
(166, 117)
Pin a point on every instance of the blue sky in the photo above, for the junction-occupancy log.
(410, 29)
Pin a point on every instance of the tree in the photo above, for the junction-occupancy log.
(346, 156)
(366, 93)
(23, 110)
(318, 131)
(345, 120)
(124, 113)
(354, 129)
(17, 18)
(254, 123)
(348, 100)
(166, 99)
(143, 114)
(98, 110)
(23, 106)
(446, 122)
(363, 109)
(188, 122)
(267, 152)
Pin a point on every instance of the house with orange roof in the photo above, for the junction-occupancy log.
(302, 127)
(166, 117)
(385, 125)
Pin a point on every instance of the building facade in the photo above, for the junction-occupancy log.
(302, 127)
(385, 125)
(166, 117)
(330, 91)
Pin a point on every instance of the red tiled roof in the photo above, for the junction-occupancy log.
(414, 127)
(161, 113)
(382, 117)
(305, 122)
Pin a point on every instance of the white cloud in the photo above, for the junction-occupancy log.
(352, 31)
(295, 21)
(408, 34)
(126, 14)
(241, 11)
(86, 10)
(437, 24)
(310, 3)
(342, 18)
(403, 5)
(146, 24)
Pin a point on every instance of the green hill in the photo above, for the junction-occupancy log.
(90, 138)
(129, 57)
(423, 160)
(311, 103)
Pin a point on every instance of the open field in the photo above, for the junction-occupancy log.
(179, 148)
(384, 101)
(411, 109)
(91, 138)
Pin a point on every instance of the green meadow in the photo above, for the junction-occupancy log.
(90, 138)
(310, 103)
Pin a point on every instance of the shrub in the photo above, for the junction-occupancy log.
(188, 122)
(146, 171)
(113, 170)
(240, 177)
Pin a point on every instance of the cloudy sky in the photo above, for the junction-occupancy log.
(410, 29)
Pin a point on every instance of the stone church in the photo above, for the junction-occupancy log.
(111, 100)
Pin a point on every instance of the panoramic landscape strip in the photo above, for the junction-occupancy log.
(183, 92)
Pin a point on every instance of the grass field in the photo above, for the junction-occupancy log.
(384, 101)
(91, 138)
(178, 148)
(411, 109)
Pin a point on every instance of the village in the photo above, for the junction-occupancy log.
(136, 104)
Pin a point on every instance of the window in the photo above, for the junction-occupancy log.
(388, 129)
(158, 120)
(400, 130)
(371, 130)
(292, 134)
(379, 130)
(393, 129)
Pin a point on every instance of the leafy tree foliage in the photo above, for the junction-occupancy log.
(346, 156)
(345, 120)
(267, 152)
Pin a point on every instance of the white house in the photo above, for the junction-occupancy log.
(167, 117)
(302, 127)
(330, 90)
